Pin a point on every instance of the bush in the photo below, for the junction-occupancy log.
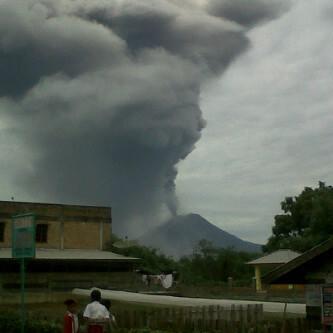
(142, 330)
(10, 323)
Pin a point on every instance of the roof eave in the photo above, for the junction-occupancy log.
(273, 276)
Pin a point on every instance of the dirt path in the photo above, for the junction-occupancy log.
(124, 296)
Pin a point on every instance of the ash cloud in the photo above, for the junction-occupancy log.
(248, 13)
(105, 97)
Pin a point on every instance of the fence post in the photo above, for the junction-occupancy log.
(194, 324)
(174, 318)
(219, 317)
(182, 319)
(232, 313)
(258, 312)
(248, 315)
(130, 319)
(200, 317)
(186, 317)
(151, 314)
(241, 315)
(119, 317)
(168, 318)
(160, 318)
(136, 318)
(214, 317)
(209, 317)
(174, 313)
(203, 317)
(190, 318)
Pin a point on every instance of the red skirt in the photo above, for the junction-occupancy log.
(95, 328)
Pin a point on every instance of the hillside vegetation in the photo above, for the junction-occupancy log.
(207, 263)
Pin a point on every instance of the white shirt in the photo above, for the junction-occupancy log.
(76, 323)
(96, 310)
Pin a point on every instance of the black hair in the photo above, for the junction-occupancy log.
(96, 295)
(70, 302)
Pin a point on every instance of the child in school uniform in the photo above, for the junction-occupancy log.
(112, 324)
(96, 314)
(71, 321)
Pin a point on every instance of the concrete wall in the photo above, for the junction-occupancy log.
(69, 226)
(53, 236)
(67, 281)
(51, 287)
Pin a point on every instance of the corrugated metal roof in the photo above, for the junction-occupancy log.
(14, 202)
(69, 254)
(313, 254)
(277, 257)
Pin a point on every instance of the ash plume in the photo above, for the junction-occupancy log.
(104, 97)
(248, 13)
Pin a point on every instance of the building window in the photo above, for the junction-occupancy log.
(2, 231)
(41, 233)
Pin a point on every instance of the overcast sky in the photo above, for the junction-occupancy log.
(104, 104)
(269, 125)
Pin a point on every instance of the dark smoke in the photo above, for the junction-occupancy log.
(104, 95)
(248, 12)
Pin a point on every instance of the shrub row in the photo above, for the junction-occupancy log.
(10, 323)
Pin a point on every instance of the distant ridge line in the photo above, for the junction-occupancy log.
(179, 236)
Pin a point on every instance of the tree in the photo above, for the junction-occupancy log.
(307, 220)
(152, 261)
(207, 263)
(213, 264)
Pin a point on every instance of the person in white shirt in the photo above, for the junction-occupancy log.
(95, 313)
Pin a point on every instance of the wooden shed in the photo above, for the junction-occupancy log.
(314, 268)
